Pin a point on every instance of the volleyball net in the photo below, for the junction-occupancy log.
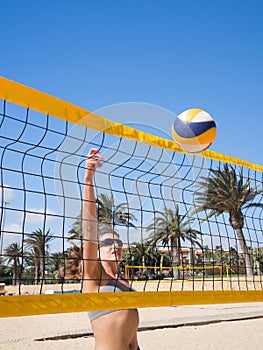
(190, 225)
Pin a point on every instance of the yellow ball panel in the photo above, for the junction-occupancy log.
(191, 113)
(206, 137)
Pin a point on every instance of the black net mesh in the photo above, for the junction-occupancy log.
(186, 222)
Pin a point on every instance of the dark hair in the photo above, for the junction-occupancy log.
(106, 228)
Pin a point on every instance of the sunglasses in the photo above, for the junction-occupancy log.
(110, 241)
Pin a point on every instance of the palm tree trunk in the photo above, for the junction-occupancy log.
(161, 263)
(36, 271)
(242, 242)
(42, 269)
(175, 254)
(14, 273)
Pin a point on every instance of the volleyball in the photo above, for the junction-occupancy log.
(194, 130)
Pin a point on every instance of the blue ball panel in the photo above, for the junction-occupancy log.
(189, 130)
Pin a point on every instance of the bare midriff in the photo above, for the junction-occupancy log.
(116, 330)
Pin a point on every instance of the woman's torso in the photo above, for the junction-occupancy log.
(116, 327)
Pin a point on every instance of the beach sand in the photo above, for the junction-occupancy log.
(206, 327)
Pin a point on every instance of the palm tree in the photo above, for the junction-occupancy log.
(76, 230)
(207, 255)
(259, 257)
(54, 263)
(13, 253)
(32, 259)
(108, 213)
(221, 257)
(225, 192)
(170, 228)
(233, 257)
(137, 252)
(5, 271)
(137, 256)
(39, 240)
(56, 260)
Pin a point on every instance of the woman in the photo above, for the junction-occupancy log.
(102, 252)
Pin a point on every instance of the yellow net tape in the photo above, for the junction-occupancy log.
(28, 305)
(42, 102)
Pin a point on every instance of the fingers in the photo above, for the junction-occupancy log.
(93, 151)
(94, 159)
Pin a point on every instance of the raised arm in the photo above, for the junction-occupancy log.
(90, 223)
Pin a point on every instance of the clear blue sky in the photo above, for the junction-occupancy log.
(176, 54)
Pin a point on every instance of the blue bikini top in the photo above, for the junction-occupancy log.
(111, 286)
